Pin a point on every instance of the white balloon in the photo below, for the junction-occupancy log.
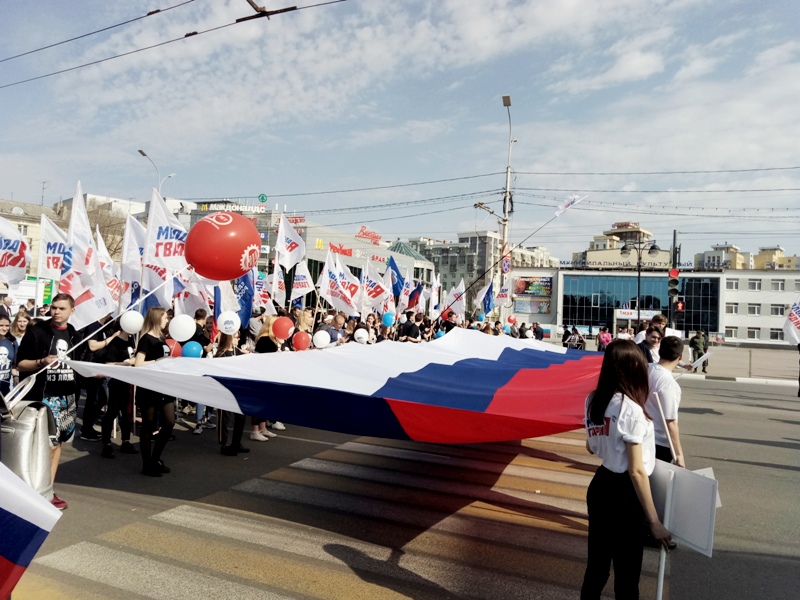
(361, 336)
(229, 322)
(403, 318)
(131, 322)
(321, 339)
(528, 333)
(182, 328)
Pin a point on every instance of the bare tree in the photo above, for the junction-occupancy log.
(111, 222)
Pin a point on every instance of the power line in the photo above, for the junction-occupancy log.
(365, 189)
(128, 22)
(188, 35)
(398, 205)
(659, 191)
(660, 172)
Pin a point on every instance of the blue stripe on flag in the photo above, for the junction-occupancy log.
(19, 539)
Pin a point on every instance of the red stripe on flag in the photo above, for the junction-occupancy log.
(10, 574)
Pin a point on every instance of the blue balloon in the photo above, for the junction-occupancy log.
(507, 329)
(481, 317)
(387, 319)
(440, 333)
(192, 350)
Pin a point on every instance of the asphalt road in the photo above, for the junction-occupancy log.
(313, 514)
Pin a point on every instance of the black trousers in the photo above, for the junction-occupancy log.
(616, 535)
(95, 400)
(223, 417)
(120, 403)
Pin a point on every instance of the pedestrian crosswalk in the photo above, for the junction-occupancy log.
(369, 518)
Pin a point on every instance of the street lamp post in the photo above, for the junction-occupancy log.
(158, 173)
(640, 245)
(506, 197)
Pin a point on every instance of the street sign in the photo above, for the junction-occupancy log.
(262, 198)
(506, 264)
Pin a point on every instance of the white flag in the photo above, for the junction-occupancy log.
(277, 286)
(52, 245)
(289, 245)
(164, 251)
(455, 299)
(133, 243)
(388, 301)
(436, 288)
(502, 295)
(15, 256)
(331, 289)
(81, 274)
(350, 284)
(791, 328)
(405, 294)
(481, 295)
(569, 203)
(373, 289)
(110, 271)
(302, 283)
(195, 294)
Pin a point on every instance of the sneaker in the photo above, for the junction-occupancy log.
(128, 448)
(268, 433)
(257, 437)
(277, 426)
(198, 429)
(90, 436)
(209, 425)
(108, 451)
(58, 503)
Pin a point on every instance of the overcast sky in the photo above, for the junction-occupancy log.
(372, 93)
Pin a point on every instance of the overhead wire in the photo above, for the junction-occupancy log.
(167, 42)
(91, 33)
(707, 171)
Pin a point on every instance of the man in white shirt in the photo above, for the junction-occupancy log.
(659, 321)
(664, 385)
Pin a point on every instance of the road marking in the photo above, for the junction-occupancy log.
(147, 577)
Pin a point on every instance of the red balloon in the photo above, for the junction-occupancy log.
(512, 319)
(223, 246)
(301, 341)
(282, 328)
(174, 347)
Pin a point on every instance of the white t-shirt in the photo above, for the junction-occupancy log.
(624, 422)
(669, 393)
(623, 336)
(639, 337)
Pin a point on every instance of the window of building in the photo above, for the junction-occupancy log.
(731, 332)
(731, 308)
(776, 334)
(732, 284)
(753, 333)
(754, 309)
(754, 284)
(23, 229)
(777, 285)
(777, 310)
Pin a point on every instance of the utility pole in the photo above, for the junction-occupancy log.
(506, 201)
(44, 185)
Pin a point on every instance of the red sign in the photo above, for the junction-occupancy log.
(340, 249)
(377, 258)
(370, 236)
(296, 220)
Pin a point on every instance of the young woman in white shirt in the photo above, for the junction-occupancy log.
(619, 501)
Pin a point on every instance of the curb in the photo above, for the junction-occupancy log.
(775, 382)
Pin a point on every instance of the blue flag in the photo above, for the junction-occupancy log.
(488, 299)
(245, 291)
(397, 280)
(218, 303)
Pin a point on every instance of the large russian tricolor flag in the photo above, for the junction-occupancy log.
(25, 521)
(465, 387)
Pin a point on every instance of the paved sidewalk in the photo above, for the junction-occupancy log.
(752, 363)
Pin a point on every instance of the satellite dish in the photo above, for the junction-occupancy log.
(18, 211)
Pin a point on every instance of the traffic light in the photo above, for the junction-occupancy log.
(680, 304)
(673, 283)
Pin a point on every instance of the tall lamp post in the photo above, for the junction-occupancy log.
(506, 197)
(158, 173)
(639, 246)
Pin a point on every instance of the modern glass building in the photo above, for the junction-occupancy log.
(589, 299)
